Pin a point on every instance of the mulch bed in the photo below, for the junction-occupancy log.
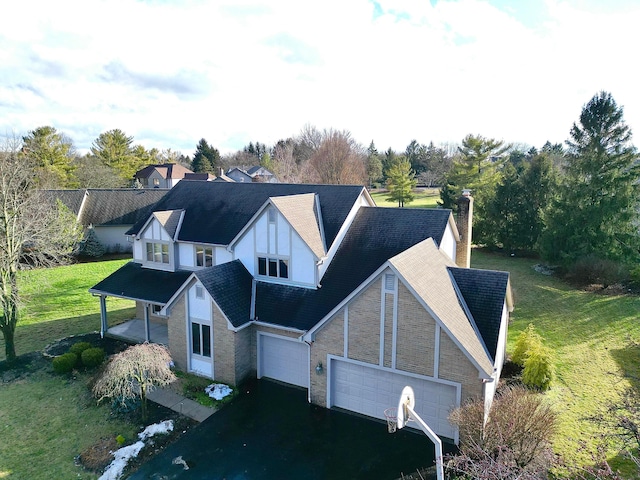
(98, 456)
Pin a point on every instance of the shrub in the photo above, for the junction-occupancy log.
(120, 440)
(65, 363)
(513, 444)
(591, 269)
(539, 370)
(525, 341)
(92, 357)
(79, 347)
(91, 246)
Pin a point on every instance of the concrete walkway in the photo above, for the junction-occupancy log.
(185, 406)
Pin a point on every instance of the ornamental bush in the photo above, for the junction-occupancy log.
(92, 357)
(79, 347)
(65, 363)
(539, 370)
(524, 343)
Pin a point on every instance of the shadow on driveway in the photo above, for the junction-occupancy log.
(272, 432)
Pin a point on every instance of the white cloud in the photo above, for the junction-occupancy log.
(170, 73)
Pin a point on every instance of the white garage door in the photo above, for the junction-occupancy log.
(283, 359)
(370, 391)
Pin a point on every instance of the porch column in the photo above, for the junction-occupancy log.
(103, 316)
(146, 322)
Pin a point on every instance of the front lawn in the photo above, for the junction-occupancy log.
(56, 304)
(595, 342)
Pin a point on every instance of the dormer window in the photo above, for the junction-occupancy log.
(204, 256)
(273, 267)
(158, 252)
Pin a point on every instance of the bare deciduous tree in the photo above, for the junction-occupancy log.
(338, 160)
(34, 232)
(284, 163)
(134, 373)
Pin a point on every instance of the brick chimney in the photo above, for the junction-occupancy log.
(464, 220)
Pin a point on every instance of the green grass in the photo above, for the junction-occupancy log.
(56, 303)
(424, 198)
(595, 342)
(45, 421)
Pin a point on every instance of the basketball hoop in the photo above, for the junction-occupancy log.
(392, 419)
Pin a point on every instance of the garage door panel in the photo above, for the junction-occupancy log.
(284, 360)
(369, 391)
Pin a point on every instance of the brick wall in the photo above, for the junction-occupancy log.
(177, 330)
(416, 335)
(329, 341)
(224, 349)
(364, 324)
(244, 358)
(455, 366)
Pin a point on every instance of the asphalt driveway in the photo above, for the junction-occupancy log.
(272, 432)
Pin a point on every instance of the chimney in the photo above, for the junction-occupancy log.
(464, 220)
(220, 172)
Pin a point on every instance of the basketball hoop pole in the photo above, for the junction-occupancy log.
(406, 412)
(434, 438)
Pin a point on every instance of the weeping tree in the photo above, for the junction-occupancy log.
(34, 232)
(134, 373)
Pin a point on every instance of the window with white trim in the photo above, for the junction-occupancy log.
(155, 309)
(273, 267)
(201, 339)
(204, 256)
(158, 252)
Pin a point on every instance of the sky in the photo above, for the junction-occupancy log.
(169, 73)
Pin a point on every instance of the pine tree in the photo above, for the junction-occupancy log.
(401, 182)
(206, 158)
(596, 212)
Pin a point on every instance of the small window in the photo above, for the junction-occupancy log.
(206, 341)
(273, 267)
(199, 291)
(284, 268)
(155, 309)
(272, 215)
(157, 252)
(195, 339)
(156, 182)
(149, 252)
(262, 266)
(389, 282)
(204, 256)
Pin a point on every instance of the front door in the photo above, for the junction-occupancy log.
(201, 361)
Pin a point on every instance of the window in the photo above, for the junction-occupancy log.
(273, 267)
(204, 256)
(156, 182)
(201, 339)
(155, 309)
(157, 252)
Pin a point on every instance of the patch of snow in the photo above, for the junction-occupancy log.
(156, 428)
(124, 454)
(218, 391)
(180, 461)
(121, 458)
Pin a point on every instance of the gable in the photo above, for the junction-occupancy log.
(163, 225)
(301, 213)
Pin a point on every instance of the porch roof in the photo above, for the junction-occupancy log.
(134, 282)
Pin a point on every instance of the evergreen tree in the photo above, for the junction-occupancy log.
(206, 158)
(374, 165)
(91, 245)
(114, 149)
(52, 153)
(401, 182)
(479, 168)
(596, 212)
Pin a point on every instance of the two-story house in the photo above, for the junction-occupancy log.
(314, 286)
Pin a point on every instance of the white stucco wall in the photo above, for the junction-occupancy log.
(222, 255)
(113, 238)
(448, 243)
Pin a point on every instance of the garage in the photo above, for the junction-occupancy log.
(370, 390)
(284, 359)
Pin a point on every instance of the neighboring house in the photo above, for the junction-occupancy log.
(252, 174)
(164, 175)
(209, 177)
(314, 286)
(111, 212)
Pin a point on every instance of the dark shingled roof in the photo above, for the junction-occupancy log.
(72, 199)
(230, 286)
(138, 283)
(484, 292)
(376, 235)
(122, 206)
(217, 211)
(109, 206)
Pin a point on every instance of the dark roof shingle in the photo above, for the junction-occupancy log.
(138, 283)
(215, 212)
